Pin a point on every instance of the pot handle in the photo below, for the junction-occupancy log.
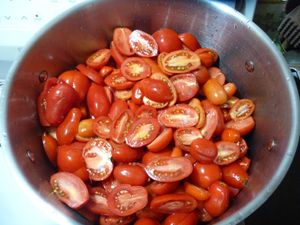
(293, 59)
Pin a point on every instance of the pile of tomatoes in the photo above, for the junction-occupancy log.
(146, 132)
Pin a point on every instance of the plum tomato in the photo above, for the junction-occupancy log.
(118, 81)
(195, 103)
(243, 126)
(125, 154)
(228, 152)
(204, 151)
(244, 162)
(180, 115)
(98, 59)
(149, 156)
(230, 89)
(125, 199)
(190, 218)
(117, 108)
(156, 90)
(199, 193)
(85, 130)
(207, 56)
(161, 188)
(135, 68)
(169, 169)
(242, 109)
(121, 40)
(132, 174)
(97, 101)
(97, 156)
(190, 41)
(142, 132)
(181, 61)
(121, 126)
(143, 44)
(116, 55)
(50, 147)
(106, 70)
(234, 175)
(70, 189)
(146, 221)
(184, 137)
(161, 141)
(146, 111)
(102, 126)
(167, 40)
(113, 220)
(173, 203)
(242, 144)
(230, 134)
(186, 86)
(214, 92)
(201, 75)
(91, 73)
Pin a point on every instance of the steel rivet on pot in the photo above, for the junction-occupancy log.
(43, 76)
(249, 65)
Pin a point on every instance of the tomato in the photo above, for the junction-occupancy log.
(135, 68)
(204, 151)
(230, 89)
(124, 153)
(181, 61)
(149, 156)
(148, 213)
(242, 144)
(117, 108)
(161, 141)
(69, 189)
(97, 156)
(230, 102)
(180, 115)
(234, 175)
(118, 81)
(154, 66)
(196, 104)
(198, 193)
(102, 126)
(190, 218)
(146, 221)
(176, 152)
(243, 126)
(121, 126)
(110, 183)
(137, 95)
(69, 157)
(242, 109)
(184, 137)
(160, 58)
(173, 203)
(204, 215)
(161, 188)
(143, 44)
(167, 40)
(186, 86)
(98, 201)
(76, 80)
(204, 175)
(142, 132)
(214, 92)
(67, 130)
(207, 56)
(121, 40)
(169, 169)
(106, 70)
(217, 74)
(218, 202)
(50, 147)
(113, 220)
(228, 152)
(98, 59)
(97, 101)
(201, 75)
(130, 174)
(156, 90)
(212, 118)
(244, 162)
(230, 134)
(125, 199)
(146, 111)
(154, 104)
(89, 72)
(82, 173)
(190, 41)
(116, 55)
(85, 130)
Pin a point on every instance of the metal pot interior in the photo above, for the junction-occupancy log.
(247, 58)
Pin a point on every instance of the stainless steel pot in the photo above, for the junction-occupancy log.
(247, 57)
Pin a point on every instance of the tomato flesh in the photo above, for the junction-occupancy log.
(135, 68)
(143, 44)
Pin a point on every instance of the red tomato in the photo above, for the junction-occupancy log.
(169, 169)
(110, 183)
(146, 111)
(243, 126)
(244, 162)
(204, 151)
(117, 81)
(130, 174)
(135, 68)
(180, 115)
(106, 70)
(117, 108)
(230, 89)
(186, 86)
(212, 119)
(97, 156)
(121, 40)
(69, 189)
(162, 188)
(204, 175)
(204, 215)
(113, 220)
(76, 80)
(185, 136)
(116, 55)
(217, 74)
(121, 126)
(161, 141)
(97, 101)
(154, 104)
(242, 109)
(207, 56)
(218, 202)
(137, 95)
(190, 41)
(50, 147)
(102, 126)
(125, 199)
(143, 44)
(85, 130)
(153, 64)
(92, 74)
(173, 203)
(182, 219)
(124, 153)
(181, 61)
(98, 59)
(199, 193)
(201, 75)
(146, 221)
(234, 175)
(156, 90)
(160, 58)
(214, 92)
(149, 156)
(167, 40)
(98, 201)
(142, 132)
(230, 134)
(67, 130)
(195, 103)
(228, 152)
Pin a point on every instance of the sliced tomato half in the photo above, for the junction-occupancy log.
(228, 152)
(135, 68)
(121, 40)
(185, 136)
(143, 44)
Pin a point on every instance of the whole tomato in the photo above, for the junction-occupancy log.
(97, 101)
(167, 40)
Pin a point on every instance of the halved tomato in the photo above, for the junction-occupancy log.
(190, 41)
(199, 193)
(90, 73)
(217, 74)
(70, 189)
(106, 70)
(184, 137)
(121, 126)
(186, 86)
(211, 119)
(204, 151)
(99, 58)
(110, 183)
(180, 115)
(125, 199)
(98, 201)
(181, 61)
(143, 44)
(117, 81)
(162, 188)
(146, 111)
(146, 221)
(208, 56)
(116, 55)
(228, 152)
(102, 126)
(149, 156)
(121, 40)
(113, 220)
(154, 104)
(160, 65)
(123, 94)
(242, 109)
(169, 169)
(97, 156)
(125, 154)
(196, 104)
(161, 141)
(135, 68)
(50, 147)
(117, 108)
(156, 90)
(243, 147)
(190, 218)
(142, 132)
(137, 95)
(243, 126)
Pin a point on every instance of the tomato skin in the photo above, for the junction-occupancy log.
(116, 55)
(243, 126)
(113, 220)
(242, 109)
(121, 126)
(234, 175)
(161, 141)
(228, 152)
(185, 136)
(230, 89)
(149, 156)
(146, 221)
(186, 86)
(201, 75)
(125, 154)
(143, 44)
(97, 101)
(204, 151)
(67, 130)
(218, 202)
(190, 41)
(130, 174)
(230, 134)
(50, 147)
(89, 72)
(211, 119)
(117, 81)
(121, 40)
(178, 203)
(98, 59)
(214, 92)
(207, 56)
(135, 68)
(195, 103)
(244, 162)
(117, 108)
(85, 130)
(161, 188)
(190, 218)
(167, 40)
(198, 193)
(156, 90)
(106, 70)
(146, 111)
(102, 126)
